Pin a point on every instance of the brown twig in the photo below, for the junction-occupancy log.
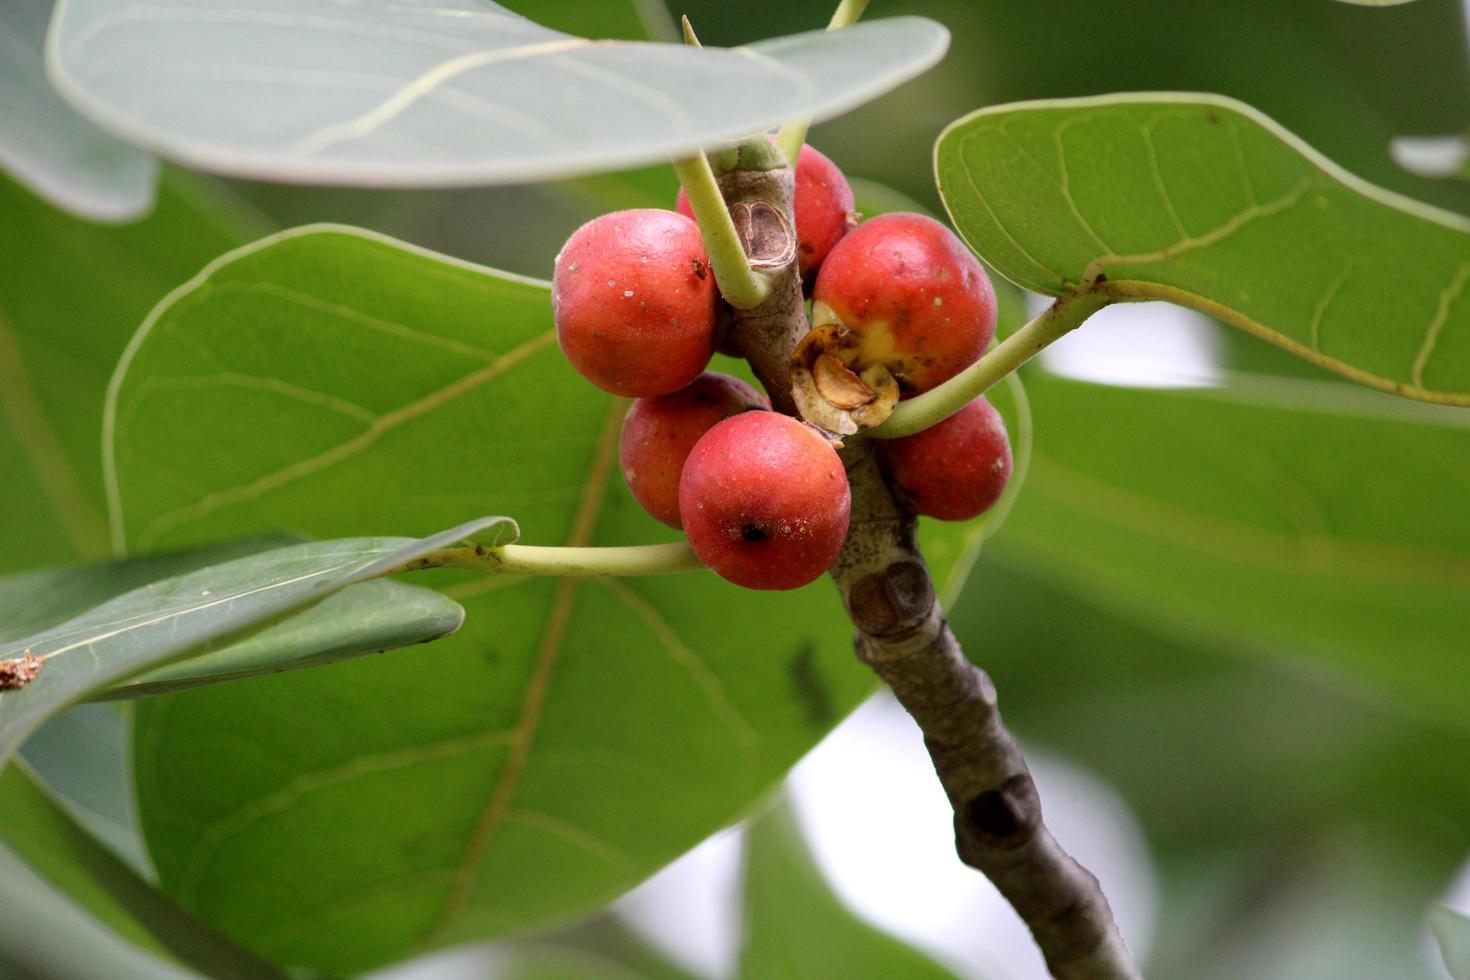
(903, 636)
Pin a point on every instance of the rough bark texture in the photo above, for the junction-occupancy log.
(903, 636)
(767, 334)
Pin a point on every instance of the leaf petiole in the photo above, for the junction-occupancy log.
(743, 287)
(793, 134)
(934, 406)
(523, 559)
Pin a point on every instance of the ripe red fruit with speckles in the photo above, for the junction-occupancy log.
(822, 208)
(913, 297)
(635, 303)
(658, 434)
(765, 501)
(955, 470)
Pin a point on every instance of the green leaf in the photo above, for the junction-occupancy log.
(625, 20)
(44, 934)
(59, 343)
(796, 927)
(1305, 516)
(532, 962)
(34, 601)
(35, 828)
(1140, 702)
(46, 145)
(1203, 201)
(571, 739)
(189, 615)
(454, 93)
(1452, 932)
(370, 618)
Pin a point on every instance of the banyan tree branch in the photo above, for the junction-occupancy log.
(903, 636)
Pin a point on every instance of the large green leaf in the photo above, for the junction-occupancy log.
(1297, 515)
(1203, 201)
(188, 615)
(372, 617)
(37, 829)
(45, 144)
(573, 737)
(59, 341)
(426, 93)
(796, 927)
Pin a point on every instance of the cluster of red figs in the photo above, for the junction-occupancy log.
(899, 306)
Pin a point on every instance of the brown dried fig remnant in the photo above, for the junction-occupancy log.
(17, 672)
(839, 385)
(831, 390)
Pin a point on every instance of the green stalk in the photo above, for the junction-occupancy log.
(524, 559)
(793, 134)
(743, 287)
(934, 406)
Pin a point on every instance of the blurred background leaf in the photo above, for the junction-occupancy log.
(47, 146)
(38, 829)
(63, 323)
(795, 926)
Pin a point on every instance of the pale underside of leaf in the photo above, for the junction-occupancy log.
(167, 621)
(49, 147)
(414, 93)
(1202, 201)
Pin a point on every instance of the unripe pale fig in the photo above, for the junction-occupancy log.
(658, 434)
(955, 470)
(765, 501)
(635, 303)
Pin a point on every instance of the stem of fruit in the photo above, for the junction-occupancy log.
(793, 134)
(742, 286)
(902, 634)
(524, 559)
(934, 406)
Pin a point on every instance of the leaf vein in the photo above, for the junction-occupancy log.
(708, 681)
(1447, 299)
(344, 450)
